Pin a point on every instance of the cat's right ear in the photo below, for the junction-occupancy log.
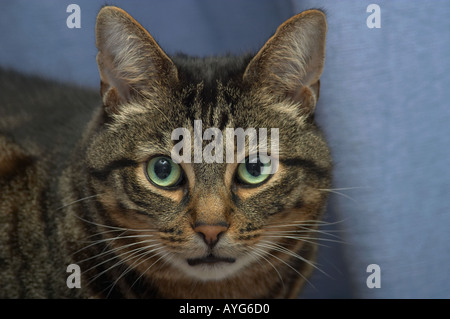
(130, 61)
(290, 63)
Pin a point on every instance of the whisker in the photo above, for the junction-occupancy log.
(305, 239)
(306, 231)
(101, 225)
(76, 201)
(260, 253)
(132, 254)
(327, 233)
(115, 227)
(343, 188)
(149, 267)
(306, 223)
(134, 265)
(138, 252)
(113, 251)
(122, 237)
(338, 191)
(110, 240)
(283, 249)
(106, 232)
(287, 264)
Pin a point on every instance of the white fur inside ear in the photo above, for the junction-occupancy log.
(110, 81)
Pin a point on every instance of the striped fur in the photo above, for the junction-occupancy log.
(87, 200)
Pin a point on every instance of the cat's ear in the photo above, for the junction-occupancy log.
(130, 61)
(290, 63)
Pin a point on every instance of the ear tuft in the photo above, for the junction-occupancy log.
(290, 64)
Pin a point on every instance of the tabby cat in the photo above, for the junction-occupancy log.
(96, 187)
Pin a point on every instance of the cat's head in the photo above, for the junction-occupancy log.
(207, 218)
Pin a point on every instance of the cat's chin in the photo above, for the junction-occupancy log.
(211, 268)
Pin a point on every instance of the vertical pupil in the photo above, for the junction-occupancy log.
(162, 168)
(254, 169)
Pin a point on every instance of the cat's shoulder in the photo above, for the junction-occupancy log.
(44, 114)
(12, 158)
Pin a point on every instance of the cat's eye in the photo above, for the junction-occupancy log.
(254, 171)
(163, 172)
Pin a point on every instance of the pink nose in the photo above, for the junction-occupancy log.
(210, 233)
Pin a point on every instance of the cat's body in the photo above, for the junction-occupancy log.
(76, 186)
(37, 138)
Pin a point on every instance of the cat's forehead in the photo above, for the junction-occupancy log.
(213, 103)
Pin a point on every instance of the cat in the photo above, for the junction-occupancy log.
(88, 180)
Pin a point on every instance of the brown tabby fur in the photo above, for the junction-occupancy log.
(73, 196)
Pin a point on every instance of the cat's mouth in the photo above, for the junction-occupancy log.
(210, 259)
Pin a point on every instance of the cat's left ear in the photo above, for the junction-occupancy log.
(290, 63)
(130, 61)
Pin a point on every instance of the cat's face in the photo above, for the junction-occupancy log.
(209, 220)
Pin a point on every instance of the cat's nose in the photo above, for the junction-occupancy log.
(211, 233)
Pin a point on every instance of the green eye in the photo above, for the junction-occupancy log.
(254, 172)
(163, 172)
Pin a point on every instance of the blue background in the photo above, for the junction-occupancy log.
(384, 106)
